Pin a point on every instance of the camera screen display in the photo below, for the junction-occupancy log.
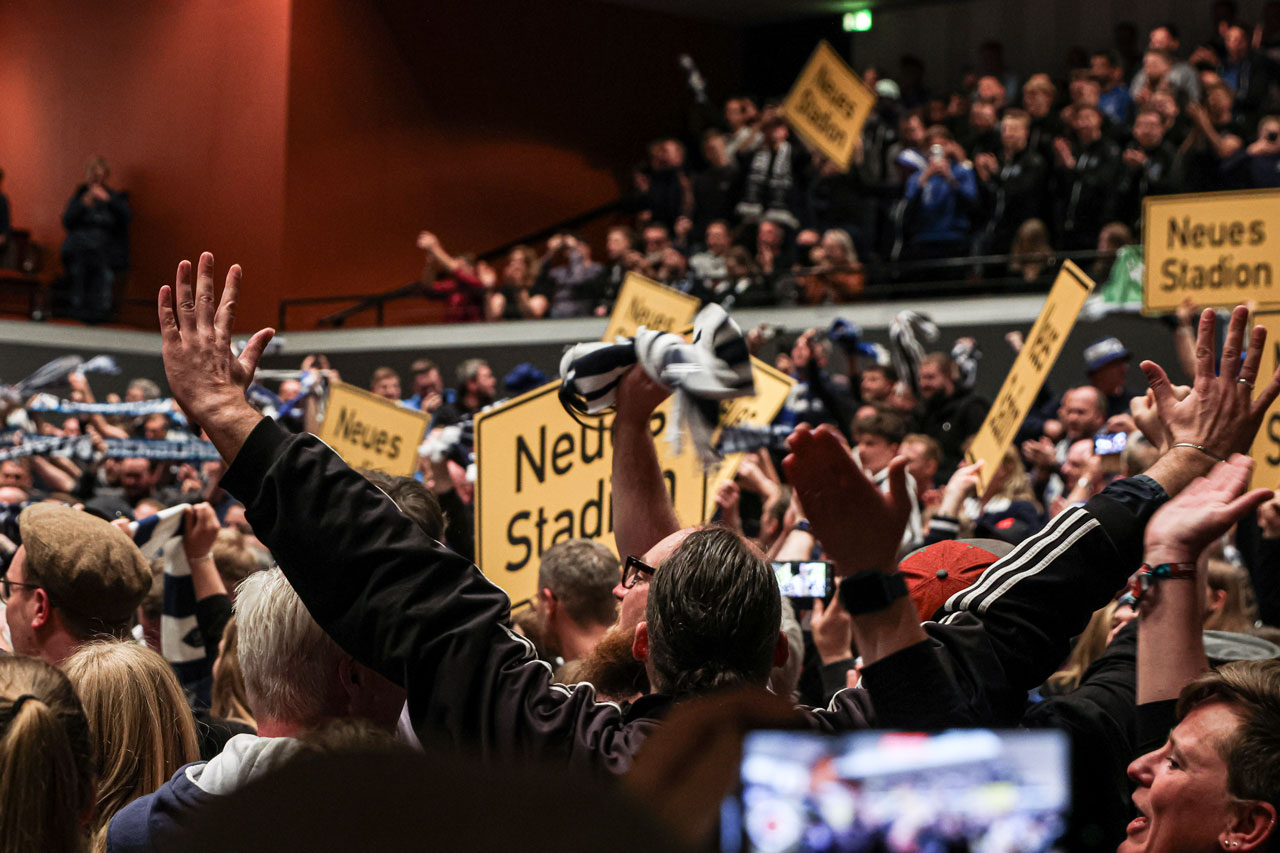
(973, 789)
(802, 578)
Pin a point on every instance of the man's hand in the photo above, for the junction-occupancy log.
(1221, 413)
(986, 165)
(832, 628)
(1062, 148)
(834, 492)
(963, 482)
(201, 531)
(1134, 158)
(1269, 519)
(206, 378)
(638, 395)
(727, 498)
(1041, 454)
(1205, 510)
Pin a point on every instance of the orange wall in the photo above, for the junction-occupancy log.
(480, 121)
(310, 140)
(186, 100)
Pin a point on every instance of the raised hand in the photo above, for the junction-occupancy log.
(832, 628)
(206, 378)
(1220, 414)
(859, 528)
(201, 531)
(1202, 512)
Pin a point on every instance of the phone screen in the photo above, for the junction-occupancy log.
(1108, 444)
(804, 578)
(972, 789)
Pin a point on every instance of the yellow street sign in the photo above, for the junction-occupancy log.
(1032, 366)
(828, 104)
(644, 302)
(369, 431)
(1218, 249)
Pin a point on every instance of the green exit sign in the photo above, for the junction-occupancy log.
(857, 22)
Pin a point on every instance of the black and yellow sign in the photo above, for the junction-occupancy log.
(1266, 444)
(828, 104)
(543, 478)
(1030, 369)
(1218, 249)
(644, 302)
(369, 431)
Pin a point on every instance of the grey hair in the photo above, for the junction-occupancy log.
(287, 660)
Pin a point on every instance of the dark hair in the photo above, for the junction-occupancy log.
(1174, 32)
(1252, 752)
(888, 371)
(714, 615)
(883, 424)
(1112, 58)
(581, 574)
(413, 499)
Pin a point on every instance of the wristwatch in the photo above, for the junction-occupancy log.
(803, 526)
(871, 592)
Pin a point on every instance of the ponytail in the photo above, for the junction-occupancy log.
(46, 760)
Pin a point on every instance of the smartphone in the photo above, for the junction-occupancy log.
(805, 579)
(1108, 444)
(971, 789)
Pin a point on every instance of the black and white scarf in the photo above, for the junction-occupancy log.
(716, 366)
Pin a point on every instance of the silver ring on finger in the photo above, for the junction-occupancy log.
(1246, 382)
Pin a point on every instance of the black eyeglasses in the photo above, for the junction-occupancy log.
(6, 587)
(632, 570)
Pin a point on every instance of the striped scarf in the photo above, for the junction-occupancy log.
(716, 366)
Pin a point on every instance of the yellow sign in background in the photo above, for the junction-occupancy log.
(1266, 444)
(542, 477)
(828, 104)
(1219, 249)
(643, 302)
(368, 431)
(1032, 366)
(772, 388)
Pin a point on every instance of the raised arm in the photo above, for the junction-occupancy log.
(642, 510)
(1171, 611)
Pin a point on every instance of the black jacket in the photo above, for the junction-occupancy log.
(950, 419)
(430, 621)
(1086, 193)
(1014, 194)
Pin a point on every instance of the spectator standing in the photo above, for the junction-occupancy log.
(774, 179)
(96, 250)
(428, 387)
(514, 297)
(1088, 173)
(570, 277)
(713, 187)
(385, 383)
(1114, 98)
(1013, 185)
(1248, 74)
(1037, 98)
(1151, 167)
(575, 603)
(708, 266)
(1160, 68)
(476, 389)
(946, 412)
(941, 199)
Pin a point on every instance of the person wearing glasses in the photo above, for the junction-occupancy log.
(76, 578)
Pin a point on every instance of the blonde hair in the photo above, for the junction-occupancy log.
(1239, 611)
(139, 718)
(46, 760)
(1031, 251)
(1015, 484)
(227, 696)
(234, 557)
(1090, 646)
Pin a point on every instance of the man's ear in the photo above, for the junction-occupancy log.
(640, 645)
(349, 675)
(781, 650)
(42, 613)
(549, 603)
(1253, 827)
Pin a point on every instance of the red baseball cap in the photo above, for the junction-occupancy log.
(939, 571)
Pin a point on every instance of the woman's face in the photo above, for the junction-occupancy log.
(1182, 787)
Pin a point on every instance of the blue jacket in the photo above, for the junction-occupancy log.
(939, 212)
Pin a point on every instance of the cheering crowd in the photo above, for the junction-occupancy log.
(743, 213)
(203, 651)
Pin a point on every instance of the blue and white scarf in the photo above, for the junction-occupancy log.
(80, 447)
(716, 366)
(55, 373)
(181, 643)
(140, 408)
(905, 333)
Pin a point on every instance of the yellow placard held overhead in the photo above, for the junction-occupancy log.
(828, 104)
(644, 302)
(369, 431)
(1218, 249)
(772, 388)
(543, 478)
(1030, 369)
(1266, 444)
